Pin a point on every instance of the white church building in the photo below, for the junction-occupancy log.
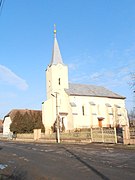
(78, 105)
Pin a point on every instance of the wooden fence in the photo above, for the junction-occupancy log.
(106, 135)
(124, 135)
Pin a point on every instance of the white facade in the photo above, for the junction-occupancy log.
(6, 125)
(98, 107)
(89, 110)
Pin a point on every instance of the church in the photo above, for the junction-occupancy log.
(78, 106)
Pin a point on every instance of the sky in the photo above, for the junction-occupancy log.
(96, 40)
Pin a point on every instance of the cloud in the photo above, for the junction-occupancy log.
(72, 66)
(117, 77)
(96, 76)
(9, 77)
(79, 78)
(80, 61)
(7, 95)
(114, 77)
(130, 51)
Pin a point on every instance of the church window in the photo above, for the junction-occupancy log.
(83, 110)
(59, 81)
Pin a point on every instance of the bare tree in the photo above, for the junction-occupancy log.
(132, 83)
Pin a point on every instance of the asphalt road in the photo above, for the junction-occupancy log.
(39, 161)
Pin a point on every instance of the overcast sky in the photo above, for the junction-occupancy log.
(96, 39)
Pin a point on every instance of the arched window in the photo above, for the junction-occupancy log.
(59, 81)
(83, 110)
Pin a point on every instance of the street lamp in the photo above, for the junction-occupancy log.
(57, 118)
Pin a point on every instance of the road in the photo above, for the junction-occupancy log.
(40, 161)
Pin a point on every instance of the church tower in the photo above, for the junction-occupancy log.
(56, 72)
(56, 83)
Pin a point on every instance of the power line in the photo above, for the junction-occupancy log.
(0, 2)
(1, 6)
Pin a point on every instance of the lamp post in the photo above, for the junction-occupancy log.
(57, 118)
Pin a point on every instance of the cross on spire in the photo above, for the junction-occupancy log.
(54, 30)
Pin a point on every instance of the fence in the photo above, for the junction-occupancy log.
(106, 135)
(5, 136)
(129, 135)
(132, 132)
(25, 136)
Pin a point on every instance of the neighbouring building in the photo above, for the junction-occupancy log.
(78, 105)
(1, 126)
(13, 115)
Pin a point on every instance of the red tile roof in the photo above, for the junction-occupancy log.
(13, 112)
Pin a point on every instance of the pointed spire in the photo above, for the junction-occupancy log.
(56, 55)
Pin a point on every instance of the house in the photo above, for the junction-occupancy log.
(78, 105)
(132, 118)
(13, 114)
(1, 126)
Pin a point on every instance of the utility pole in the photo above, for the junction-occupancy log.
(57, 117)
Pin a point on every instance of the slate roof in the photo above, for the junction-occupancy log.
(56, 55)
(91, 90)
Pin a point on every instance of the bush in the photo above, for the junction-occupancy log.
(27, 122)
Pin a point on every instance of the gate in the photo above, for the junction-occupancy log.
(106, 135)
(119, 131)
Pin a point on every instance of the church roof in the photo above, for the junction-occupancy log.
(56, 55)
(91, 90)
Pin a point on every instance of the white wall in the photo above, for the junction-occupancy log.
(6, 126)
(112, 115)
(53, 74)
